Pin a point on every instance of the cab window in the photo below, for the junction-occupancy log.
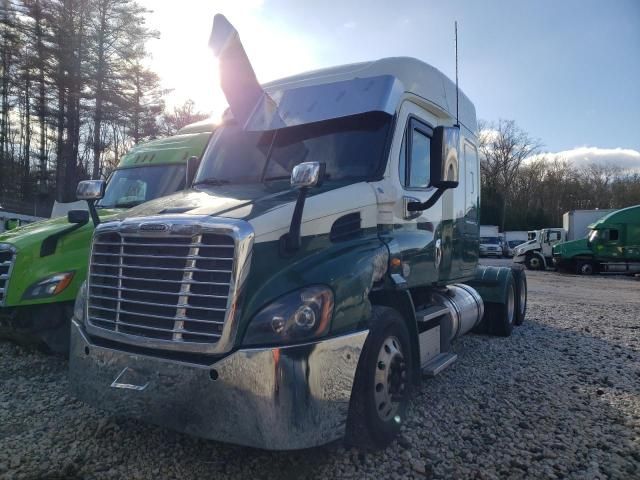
(613, 235)
(415, 156)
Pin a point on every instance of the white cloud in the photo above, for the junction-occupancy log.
(625, 158)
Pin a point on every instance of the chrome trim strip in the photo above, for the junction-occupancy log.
(156, 304)
(142, 267)
(125, 277)
(7, 277)
(183, 225)
(191, 294)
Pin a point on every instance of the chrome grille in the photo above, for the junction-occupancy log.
(162, 287)
(7, 258)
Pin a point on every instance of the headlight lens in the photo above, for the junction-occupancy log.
(297, 316)
(49, 287)
(79, 306)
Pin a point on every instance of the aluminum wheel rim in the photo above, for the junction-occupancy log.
(587, 269)
(390, 379)
(535, 263)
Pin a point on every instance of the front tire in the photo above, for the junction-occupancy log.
(382, 385)
(533, 262)
(585, 267)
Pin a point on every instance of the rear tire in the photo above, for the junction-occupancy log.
(520, 280)
(500, 317)
(382, 385)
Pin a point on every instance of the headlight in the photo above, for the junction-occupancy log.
(49, 287)
(301, 315)
(81, 301)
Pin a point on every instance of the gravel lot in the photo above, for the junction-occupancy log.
(559, 399)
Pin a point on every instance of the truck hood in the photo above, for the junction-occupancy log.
(232, 201)
(571, 248)
(34, 233)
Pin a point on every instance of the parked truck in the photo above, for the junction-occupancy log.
(326, 255)
(611, 246)
(537, 254)
(512, 239)
(42, 265)
(491, 241)
(576, 223)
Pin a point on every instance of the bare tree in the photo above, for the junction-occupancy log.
(503, 147)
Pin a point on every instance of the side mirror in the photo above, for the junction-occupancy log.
(79, 217)
(308, 174)
(445, 166)
(90, 189)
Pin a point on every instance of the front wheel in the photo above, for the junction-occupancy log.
(533, 262)
(585, 267)
(382, 385)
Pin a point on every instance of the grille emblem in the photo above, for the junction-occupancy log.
(153, 227)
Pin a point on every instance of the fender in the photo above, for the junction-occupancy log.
(491, 283)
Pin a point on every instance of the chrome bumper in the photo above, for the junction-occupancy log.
(272, 398)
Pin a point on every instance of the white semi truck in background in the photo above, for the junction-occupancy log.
(512, 239)
(491, 241)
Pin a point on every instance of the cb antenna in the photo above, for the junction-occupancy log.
(457, 88)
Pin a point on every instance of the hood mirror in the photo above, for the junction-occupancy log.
(91, 190)
(308, 174)
(303, 176)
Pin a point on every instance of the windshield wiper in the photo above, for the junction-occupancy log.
(125, 204)
(280, 177)
(216, 182)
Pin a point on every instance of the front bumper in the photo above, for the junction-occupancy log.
(273, 398)
(519, 259)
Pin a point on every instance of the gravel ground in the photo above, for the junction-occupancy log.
(559, 399)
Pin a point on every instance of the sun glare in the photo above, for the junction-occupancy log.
(187, 66)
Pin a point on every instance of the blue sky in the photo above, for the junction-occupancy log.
(568, 71)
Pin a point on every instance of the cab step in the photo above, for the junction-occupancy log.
(430, 313)
(438, 363)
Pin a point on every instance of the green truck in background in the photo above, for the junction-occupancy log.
(612, 246)
(43, 264)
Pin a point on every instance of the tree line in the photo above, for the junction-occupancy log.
(523, 191)
(75, 93)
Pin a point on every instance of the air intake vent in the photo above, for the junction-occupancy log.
(7, 258)
(346, 227)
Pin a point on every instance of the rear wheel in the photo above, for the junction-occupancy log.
(500, 317)
(520, 280)
(382, 385)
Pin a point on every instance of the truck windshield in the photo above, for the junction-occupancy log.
(351, 147)
(128, 187)
(490, 240)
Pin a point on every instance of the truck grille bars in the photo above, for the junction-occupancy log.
(166, 285)
(7, 257)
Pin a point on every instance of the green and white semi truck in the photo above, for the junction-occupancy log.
(611, 246)
(325, 257)
(43, 264)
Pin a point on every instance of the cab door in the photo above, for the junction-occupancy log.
(425, 241)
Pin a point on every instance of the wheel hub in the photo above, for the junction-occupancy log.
(390, 379)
